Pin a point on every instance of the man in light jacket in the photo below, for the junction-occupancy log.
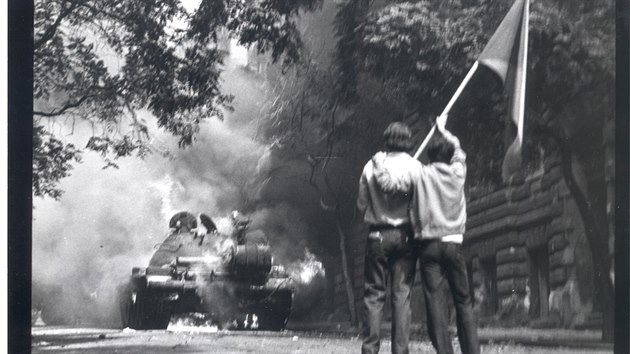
(389, 251)
(438, 216)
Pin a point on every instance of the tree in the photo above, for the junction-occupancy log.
(424, 50)
(302, 118)
(169, 63)
(574, 74)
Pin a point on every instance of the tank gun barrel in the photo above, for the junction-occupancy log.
(189, 261)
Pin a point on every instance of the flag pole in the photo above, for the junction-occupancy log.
(448, 107)
(521, 103)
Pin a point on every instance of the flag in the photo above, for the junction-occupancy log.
(506, 55)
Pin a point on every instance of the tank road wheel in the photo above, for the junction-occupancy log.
(274, 320)
(160, 314)
(140, 311)
(124, 301)
(274, 316)
(130, 308)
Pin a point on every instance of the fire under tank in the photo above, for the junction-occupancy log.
(230, 278)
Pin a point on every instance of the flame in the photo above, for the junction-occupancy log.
(194, 322)
(224, 224)
(304, 271)
(250, 322)
(165, 187)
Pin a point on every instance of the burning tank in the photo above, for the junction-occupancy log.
(231, 278)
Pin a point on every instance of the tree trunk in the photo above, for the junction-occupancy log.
(342, 236)
(596, 231)
(346, 274)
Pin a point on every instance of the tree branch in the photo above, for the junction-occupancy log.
(97, 10)
(63, 109)
(50, 31)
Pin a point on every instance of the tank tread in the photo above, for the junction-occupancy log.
(141, 311)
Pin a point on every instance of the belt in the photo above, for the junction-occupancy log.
(384, 227)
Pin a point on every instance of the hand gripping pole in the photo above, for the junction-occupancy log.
(448, 107)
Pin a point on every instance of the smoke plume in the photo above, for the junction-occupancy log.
(109, 220)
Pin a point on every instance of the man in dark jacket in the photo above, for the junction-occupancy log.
(389, 250)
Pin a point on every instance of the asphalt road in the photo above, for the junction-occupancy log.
(209, 340)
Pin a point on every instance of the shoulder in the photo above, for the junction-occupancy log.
(408, 159)
(414, 166)
(368, 166)
(367, 169)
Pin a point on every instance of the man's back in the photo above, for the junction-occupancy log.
(387, 204)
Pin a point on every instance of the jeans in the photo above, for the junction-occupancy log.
(389, 256)
(439, 260)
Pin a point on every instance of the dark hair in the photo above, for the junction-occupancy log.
(397, 137)
(440, 149)
(186, 220)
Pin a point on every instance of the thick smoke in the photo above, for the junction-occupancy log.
(109, 220)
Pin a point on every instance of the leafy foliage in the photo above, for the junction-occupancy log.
(572, 65)
(101, 61)
(52, 160)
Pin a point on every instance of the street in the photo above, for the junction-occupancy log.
(210, 340)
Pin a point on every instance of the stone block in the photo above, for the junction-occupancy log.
(486, 248)
(512, 270)
(483, 229)
(519, 193)
(509, 239)
(551, 177)
(517, 179)
(552, 162)
(539, 214)
(487, 202)
(556, 260)
(489, 216)
(559, 225)
(534, 186)
(557, 243)
(510, 286)
(475, 207)
(477, 278)
(557, 277)
(535, 203)
(475, 264)
(511, 254)
(562, 258)
(536, 236)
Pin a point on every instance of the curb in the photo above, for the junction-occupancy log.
(586, 339)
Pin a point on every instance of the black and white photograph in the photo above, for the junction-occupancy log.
(320, 176)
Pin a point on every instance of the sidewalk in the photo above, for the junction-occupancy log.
(554, 337)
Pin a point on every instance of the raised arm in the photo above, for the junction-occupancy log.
(459, 156)
(440, 122)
